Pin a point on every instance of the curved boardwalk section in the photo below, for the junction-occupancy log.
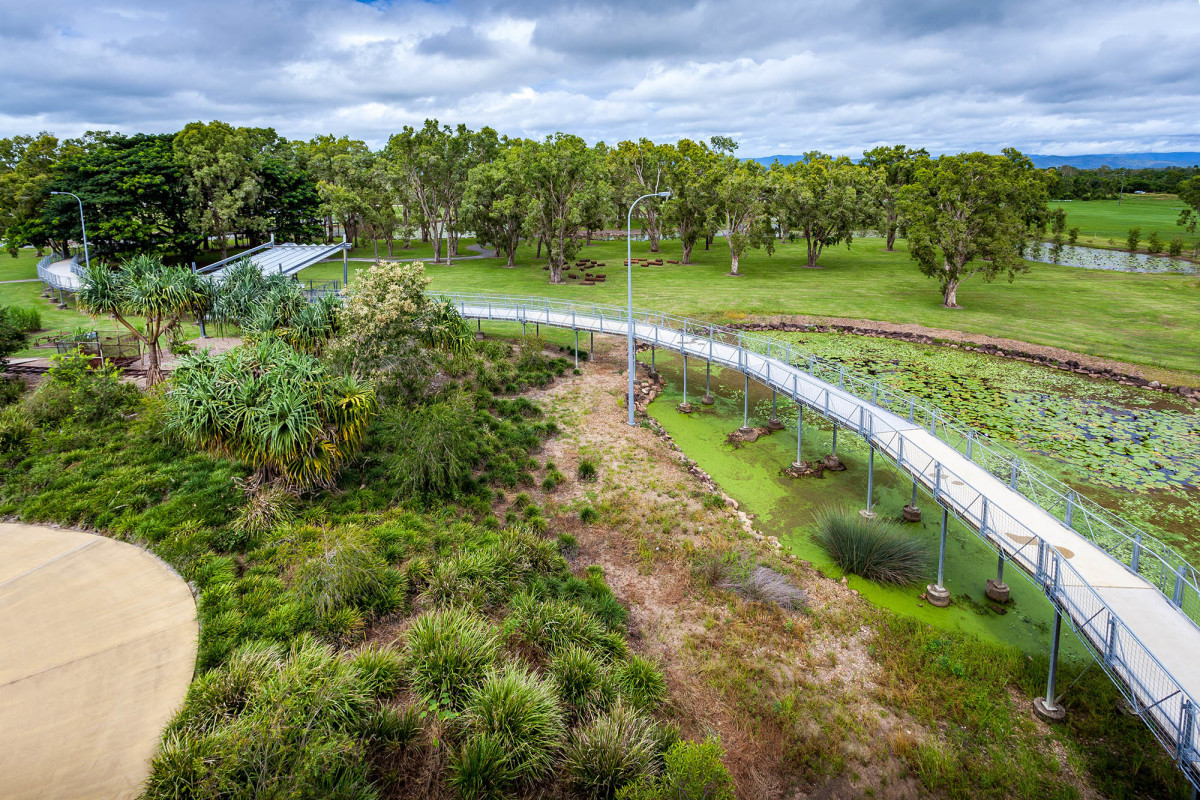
(97, 647)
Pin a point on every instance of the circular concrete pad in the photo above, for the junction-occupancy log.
(97, 647)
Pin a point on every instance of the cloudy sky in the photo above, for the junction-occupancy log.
(782, 76)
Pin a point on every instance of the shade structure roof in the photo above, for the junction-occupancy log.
(284, 259)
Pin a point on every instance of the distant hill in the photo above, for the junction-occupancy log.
(1086, 161)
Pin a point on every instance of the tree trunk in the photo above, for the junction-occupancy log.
(555, 271)
(539, 250)
(390, 242)
(375, 242)
(814, 252)
(512, 258)
(892, 228)
(687, 251)
(153, 367)
(588, 237)
(733, 263)
(652, 231)
(708, 240)
(950, 295)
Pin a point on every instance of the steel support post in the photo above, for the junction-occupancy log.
(746, 406)
(576, 348)
(937, 594)
(799, 462)
(708, 398)
(870, 482)
(1047, 707)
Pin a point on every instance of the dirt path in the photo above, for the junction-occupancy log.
(97, 648)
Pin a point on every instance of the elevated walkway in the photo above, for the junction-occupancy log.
(1132, 600)
(282, 259)
(65, 275)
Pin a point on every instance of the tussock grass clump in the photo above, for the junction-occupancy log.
(613, 749)
(389, 727)
(265, 510)
(480, 770)
(380, 668)
(448, 652)
(587, 470)
(692, 770)
(547, 625)
(588, 515)
(429, 449)
(641, 683)
(876, 550)
(347, 574)
(490, 575)
(740, 573)
(583, 679)
(520, 711)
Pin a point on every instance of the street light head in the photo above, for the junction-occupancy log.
(667, 193)
(58, 193)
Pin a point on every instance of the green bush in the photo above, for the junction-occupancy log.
(479, 769)
(25, 319)
(430, 449)
(876, 550)
(641, 683)
(447, 653)
(74, 390)
(1154, 243)
(520, 711)
(265, 510)
(12, 334)
(348, 573)
(583, 680)
(546, 625)
(1133, 239)
(614, 749)
(1175, 247)
(587, 470)
(693, 771)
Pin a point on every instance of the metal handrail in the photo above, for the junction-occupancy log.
(1159, 698)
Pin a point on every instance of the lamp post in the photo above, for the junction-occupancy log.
(86, 261)
(629, 288)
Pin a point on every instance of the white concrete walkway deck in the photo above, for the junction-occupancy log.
(1144, 641)
(97, 648)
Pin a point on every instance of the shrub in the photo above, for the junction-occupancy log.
(16, 433)
(479, 769)
(74, 390)
(693, 771)
(641, 683)
(24, 319)
(521, 712)
(614, 749)
(381, 669)
(277, 410)
(1133, 239)
(448, 652)
(1175, 247)
(347, 572)
(587, 470)
(582, 679)
(1154, 243)
(546, 625)
(428, 449)
(876, 550)
(10, 391)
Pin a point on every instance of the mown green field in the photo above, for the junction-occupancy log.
(1101, 220)
(1152, 320)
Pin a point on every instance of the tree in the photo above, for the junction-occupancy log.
(1189, 193)
(825, 199)
(330, 160)
(1058, 224)
(741, 207)
(144, 287)
(636, 169)
(1133, 239)
(435, 162)
(692, 174)
(12, 336)
(899, 166)
(26, 169)
(218, 167)
(562, 176)
(279, 411)
(495, 198)
(967, 215)
(133, 194)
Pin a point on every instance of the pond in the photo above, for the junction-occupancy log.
(1136, 451)
(1113, 260)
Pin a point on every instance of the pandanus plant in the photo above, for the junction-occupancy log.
(278, 410)
(142, 286)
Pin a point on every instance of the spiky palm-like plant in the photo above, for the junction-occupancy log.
(142, 286)
(279, 411)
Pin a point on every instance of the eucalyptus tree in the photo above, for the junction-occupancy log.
(434, 162)
(741, 208)
(969, 215)
(217, 161)
(899, 164)
(26, 170)
(332, 161)
(636, 169)
(143, 287)
(494, 201)
(824, 199)
(562, 178)
(693, 171)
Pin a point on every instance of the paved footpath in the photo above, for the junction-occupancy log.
(97, 647)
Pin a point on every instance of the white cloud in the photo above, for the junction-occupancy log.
(782, 76)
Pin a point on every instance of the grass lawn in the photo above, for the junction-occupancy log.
(1152, 320)
(15, 269)
(1101, 220)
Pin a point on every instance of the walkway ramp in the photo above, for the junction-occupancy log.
(1132, 600)
(283, 259)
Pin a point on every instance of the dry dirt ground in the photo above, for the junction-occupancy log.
(724, 657)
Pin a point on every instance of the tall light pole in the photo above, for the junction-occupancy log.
(87, 262)
(629, 287)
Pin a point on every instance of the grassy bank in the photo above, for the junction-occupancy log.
(1103, 223)
(1151, 320)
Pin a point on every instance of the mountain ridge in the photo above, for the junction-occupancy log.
(1082, 161)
